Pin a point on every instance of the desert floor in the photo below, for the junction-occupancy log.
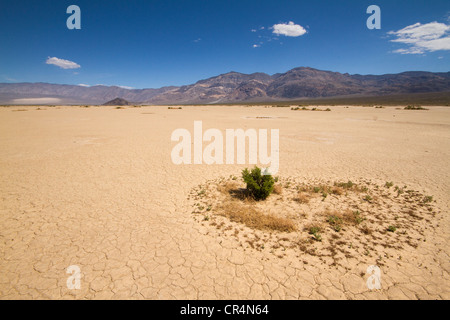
(95, 187)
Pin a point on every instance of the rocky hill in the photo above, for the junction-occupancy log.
(298, 83)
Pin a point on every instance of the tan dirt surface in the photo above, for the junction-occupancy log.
(96, 187)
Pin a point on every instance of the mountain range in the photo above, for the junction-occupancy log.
(235, 87)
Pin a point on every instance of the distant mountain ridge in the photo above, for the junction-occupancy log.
(234, 87)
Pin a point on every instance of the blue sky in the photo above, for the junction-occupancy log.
(150, 44)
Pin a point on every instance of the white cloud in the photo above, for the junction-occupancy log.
(256, 46)
(10, 79)
(64, 64)
(421, 38)
(289, 29)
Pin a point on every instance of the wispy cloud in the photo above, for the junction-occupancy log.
(198, 40)
(64, 64)
(256, 45)
(9, 79)
(288, 29)
(422, 38)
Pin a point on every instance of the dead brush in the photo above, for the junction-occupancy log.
(337, 220)
(250, 216)
(278, 189)
(302, 198)
(227, 187)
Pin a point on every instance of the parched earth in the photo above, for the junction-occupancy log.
(96, 188)
(338, 224)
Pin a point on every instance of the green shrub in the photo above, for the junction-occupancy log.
(258, 186)
(315, 232)
(415, 108)
(392, 229)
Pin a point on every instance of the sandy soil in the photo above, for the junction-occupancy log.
(95, 187)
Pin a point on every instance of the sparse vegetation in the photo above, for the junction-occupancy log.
(335, 222)
(306, 109)
(331, 228)
(415, 108)
(345, 185)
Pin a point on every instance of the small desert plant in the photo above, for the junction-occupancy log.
(259, 186)
(346, 185)
(335, 222)
(357, 217)
(428, 199)
(315, 232)
(389, 184)
(391, 228)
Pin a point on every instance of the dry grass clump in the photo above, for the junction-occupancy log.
(278, 189)
(250, 216)
(228, 187)
(337, 191)
(302, 198)
(348, 218)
